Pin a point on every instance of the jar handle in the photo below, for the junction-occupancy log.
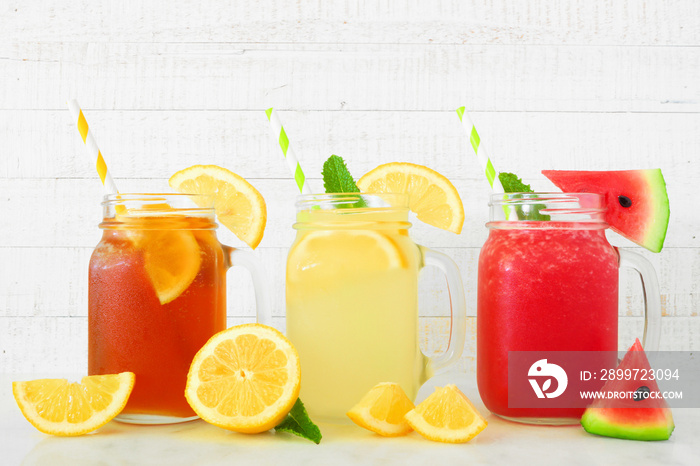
(458, 309)
(651, 294)
(250, 261)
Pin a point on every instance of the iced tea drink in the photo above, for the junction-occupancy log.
(157, 293)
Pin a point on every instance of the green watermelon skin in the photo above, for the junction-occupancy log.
(602, 421)
(646, 221)
(649, 419)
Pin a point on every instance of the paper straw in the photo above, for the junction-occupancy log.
(480, 152)
(92, 149)
(292, 161)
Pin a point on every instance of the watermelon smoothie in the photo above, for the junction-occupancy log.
(548, 284)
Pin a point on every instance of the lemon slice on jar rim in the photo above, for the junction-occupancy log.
(239, 206)
(432, 197)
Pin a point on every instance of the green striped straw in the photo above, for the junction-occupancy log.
(292, 161)
(479, 150)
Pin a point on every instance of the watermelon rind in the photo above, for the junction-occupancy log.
(655, 214)
(596, 421)
(654, 241)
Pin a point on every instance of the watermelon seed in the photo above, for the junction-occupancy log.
(624, 201)
(642, 393)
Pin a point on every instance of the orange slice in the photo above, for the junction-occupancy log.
(432, 197)
(382, 410)
(446, 416)
(239, 206)
(59, 407)
(245, 379)
(359, 252)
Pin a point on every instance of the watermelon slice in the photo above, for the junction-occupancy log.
(643, 419)
(636, 199)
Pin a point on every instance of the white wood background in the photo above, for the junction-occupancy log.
(575, 84)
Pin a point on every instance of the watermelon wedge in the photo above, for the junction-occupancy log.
(636, 199)
(642, 419)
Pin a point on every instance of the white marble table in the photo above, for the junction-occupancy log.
(197, 443)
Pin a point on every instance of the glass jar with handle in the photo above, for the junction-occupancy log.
(548, 281)
(352, 300)
(157, 293)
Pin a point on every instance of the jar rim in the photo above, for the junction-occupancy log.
(158, 211)
(529, 198)
(548, 209)
(352, 211)
(349, 201)
(186, 200)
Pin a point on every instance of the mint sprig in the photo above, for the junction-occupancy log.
(299, 423)
(513, 184)
(337, 179)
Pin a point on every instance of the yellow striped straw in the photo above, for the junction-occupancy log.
(92, 149)
(479, 151)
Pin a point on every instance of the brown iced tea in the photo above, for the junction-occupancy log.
(157, 293)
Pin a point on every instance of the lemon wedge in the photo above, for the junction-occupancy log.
(59, 407)
(382, 410)
(446, 416)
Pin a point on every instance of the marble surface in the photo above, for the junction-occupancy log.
(197, 443)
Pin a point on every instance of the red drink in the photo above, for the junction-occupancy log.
(547, 282)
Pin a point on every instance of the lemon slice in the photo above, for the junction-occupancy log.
(59, 407)
(382, 410)
(245, 379)
(446, 416)
(432, 197)
(353, 252)
(239, 206)
(171, 259)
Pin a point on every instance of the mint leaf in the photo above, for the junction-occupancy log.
(513, 184)
(298, 423)
(337, 179)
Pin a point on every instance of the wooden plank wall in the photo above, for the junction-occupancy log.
(571, 84)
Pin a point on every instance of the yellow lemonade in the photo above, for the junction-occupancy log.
(352, 307)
